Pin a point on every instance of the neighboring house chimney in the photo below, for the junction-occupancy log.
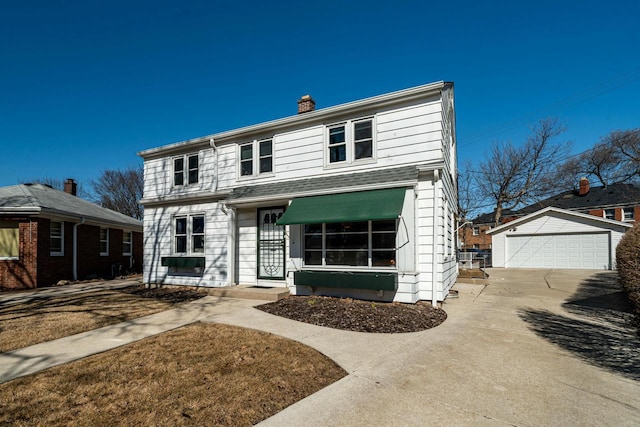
(584, 186)
(306, 104)
(70, 187)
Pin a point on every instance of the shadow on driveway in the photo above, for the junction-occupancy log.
(598, 329)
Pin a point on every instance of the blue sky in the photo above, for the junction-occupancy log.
(86, 85)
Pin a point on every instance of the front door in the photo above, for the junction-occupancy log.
(271, 244)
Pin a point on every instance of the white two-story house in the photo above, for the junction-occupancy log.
(354, 200)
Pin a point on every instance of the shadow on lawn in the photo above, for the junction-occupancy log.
(599, 328)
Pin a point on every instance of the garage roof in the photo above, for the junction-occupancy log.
(551, 209)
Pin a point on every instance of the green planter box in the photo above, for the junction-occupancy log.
(346, 280)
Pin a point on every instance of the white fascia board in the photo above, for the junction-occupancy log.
(350, 107)
(20, 210)
(187, 198)
(289, 196)
(546, 210)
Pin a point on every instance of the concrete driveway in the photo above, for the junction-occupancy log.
(531, 348)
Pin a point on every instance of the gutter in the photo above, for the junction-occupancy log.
(75, 248)
(434, 253)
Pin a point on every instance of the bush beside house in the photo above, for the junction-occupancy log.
(628, 261)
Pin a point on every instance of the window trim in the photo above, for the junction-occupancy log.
(188, 235)
(255, 159)
(186, 170)
(612, 211)
(130, 243)
(61, 237)
(349, 142)
(475, 231)
(631, 214)
(104, 253)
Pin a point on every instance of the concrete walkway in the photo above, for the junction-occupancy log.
(531, 348)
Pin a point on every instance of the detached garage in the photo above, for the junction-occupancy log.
(557, 238)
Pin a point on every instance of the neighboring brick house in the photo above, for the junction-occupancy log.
(47, 235)
(620, 202)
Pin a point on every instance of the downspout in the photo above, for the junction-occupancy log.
(434, 254)
(212, 143)
(75, 248)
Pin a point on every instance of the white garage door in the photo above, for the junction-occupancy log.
(582, 251)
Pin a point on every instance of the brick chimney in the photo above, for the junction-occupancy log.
(584, 186)
(306, 104)
(70, 187)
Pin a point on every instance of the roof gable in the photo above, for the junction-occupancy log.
(564, 212)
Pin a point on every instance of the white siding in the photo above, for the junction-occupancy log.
(247, 244)
(158, 176)
(158, 243)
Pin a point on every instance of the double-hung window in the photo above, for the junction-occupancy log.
(359, 244)
(350, 141)
(56, 238)
(127, 243)
(256, 157)
(185, 170)
(189, 234)
(610, 213)
(628, 214)
(104, 241)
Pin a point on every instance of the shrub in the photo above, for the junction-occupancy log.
(628, 264)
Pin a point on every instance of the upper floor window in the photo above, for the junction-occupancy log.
(189, 234)
(185, 170)
(104, 241)
(127, 242)
(256, 156)
(628, 214)
(476, 231)
(610, 213)
(56, 238)
(350, 141)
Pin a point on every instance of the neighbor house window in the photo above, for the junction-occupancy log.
(56, 238)
(628, 214)
(350, 141)
(185, 170)
(360, 244)
(9, 239)
(189, 234)
(610, 213)
(476, 231)
(127, 242)
(104, 241)
(256, 157)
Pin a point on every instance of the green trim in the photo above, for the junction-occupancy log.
(346, 280)
(345, 207)
(182, 262)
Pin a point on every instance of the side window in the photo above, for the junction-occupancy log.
(178, 171)
(104, 241)
(127, 243)
(193, 169)
(350, 142)
(189, 234)
(56, 238)
(9, 239)
(197, 234)
(181, 235)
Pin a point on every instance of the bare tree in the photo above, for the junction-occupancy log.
(512, 175)
(58, 184)
(120, 190)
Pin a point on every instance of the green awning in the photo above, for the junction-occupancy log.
(345, 207)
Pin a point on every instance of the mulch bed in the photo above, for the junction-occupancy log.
(167, 294)
(357, 315)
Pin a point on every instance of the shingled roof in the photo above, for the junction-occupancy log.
(614, 195)
(38, 199)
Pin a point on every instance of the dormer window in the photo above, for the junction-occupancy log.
(185, 170)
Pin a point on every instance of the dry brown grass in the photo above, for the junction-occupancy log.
(46, 319)
(202, 374)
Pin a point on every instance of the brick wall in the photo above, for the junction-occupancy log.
(22, 273)
(482, 240)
